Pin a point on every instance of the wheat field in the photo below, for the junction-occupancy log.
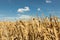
(34, 29)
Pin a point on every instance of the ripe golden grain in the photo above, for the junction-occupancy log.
(34, 29)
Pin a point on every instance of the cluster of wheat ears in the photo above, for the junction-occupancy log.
(34, 29)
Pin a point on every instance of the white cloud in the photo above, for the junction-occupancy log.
(8, 18)
(48, 1)
(38, 9)
(25, 17)
(21, 10)
(21, 17)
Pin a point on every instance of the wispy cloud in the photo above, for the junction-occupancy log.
(21, 10)
(38, 9)
(48, 1)
(8, 18)
(25, 17)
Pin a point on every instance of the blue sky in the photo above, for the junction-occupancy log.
(12, 8)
